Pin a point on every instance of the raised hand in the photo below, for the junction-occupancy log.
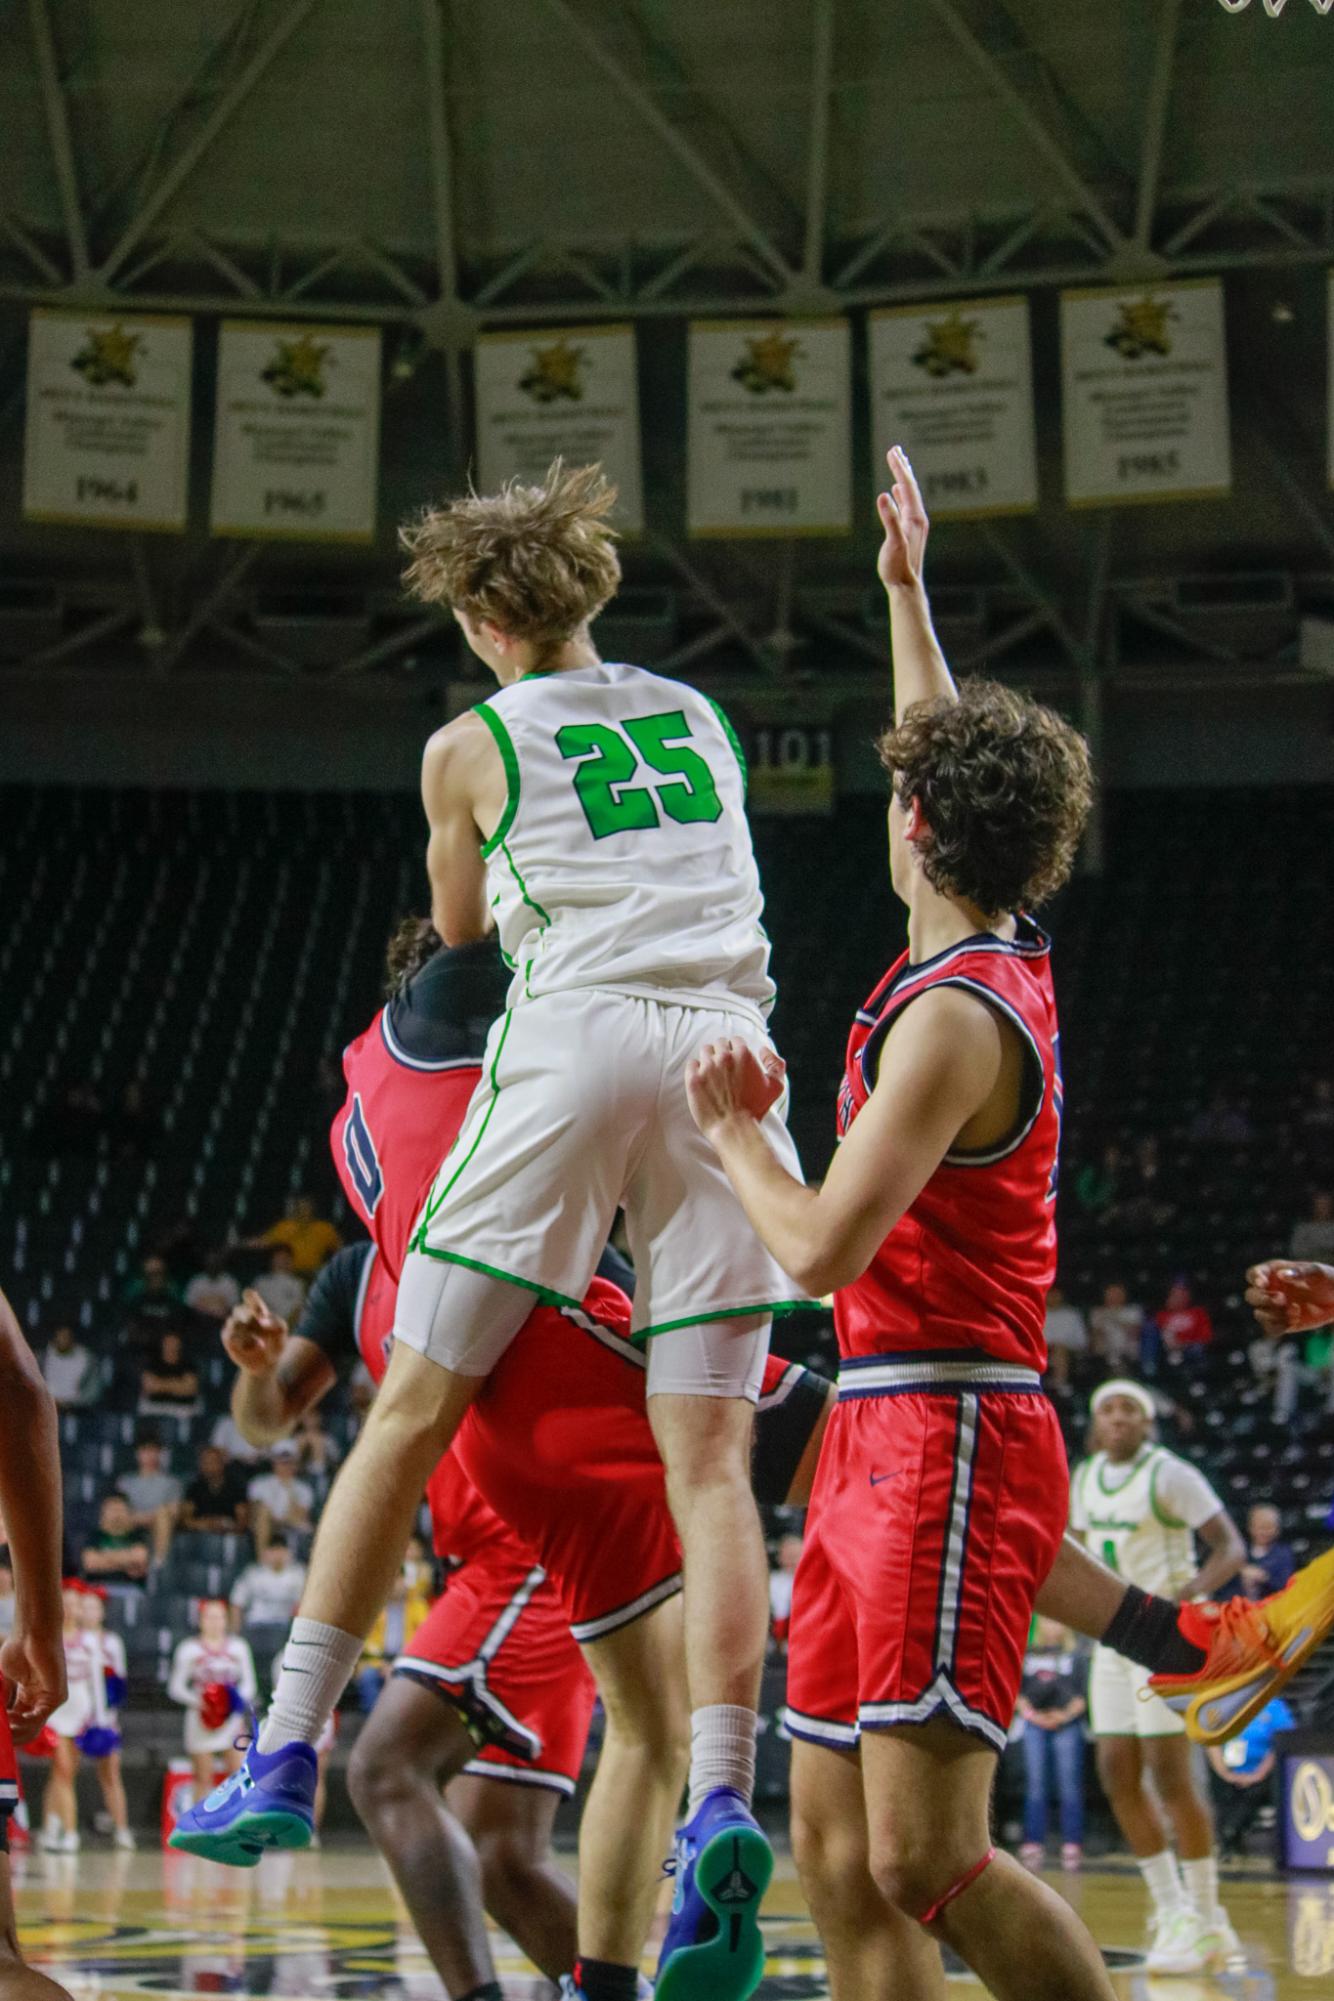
(1290, 1297)
(33, 1669)
(904, 519)
(254, 1336)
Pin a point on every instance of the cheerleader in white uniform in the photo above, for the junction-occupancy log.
(87, 1724)
(213, 1677)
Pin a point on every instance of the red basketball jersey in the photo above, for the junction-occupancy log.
(421, 1105)
(970, 1263)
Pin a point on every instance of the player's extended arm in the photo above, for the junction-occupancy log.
(920, 670)
(279, 1376)
(32, 1659)
(941, 1062)
(456, 766)
(1227, 1553)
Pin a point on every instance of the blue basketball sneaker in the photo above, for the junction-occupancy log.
(714, 1950)
(268, 1803)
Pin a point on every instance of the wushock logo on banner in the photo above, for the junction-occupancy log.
(297, 439)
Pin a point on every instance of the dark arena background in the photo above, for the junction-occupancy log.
(274, 274)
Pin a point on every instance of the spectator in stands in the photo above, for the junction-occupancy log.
(1222, 1122)
(1312, 1241)
(70, 1369)
(781, 1580)
(168, 1383)
(408, 1604)
(1144, 1204)
(1317, 1113)
(1096, 1184)
(213, 1291)
(318, 1453)
(280, 1288)
(1184, 1327)
(152, 1296)
(1239, 1772)
(1269, 1563)
(152, 1494)
(279, 1500)
(265, 1597)
(215, 1501)
(118, 1554)
(7, 1607)
(1114, 1330)
(1052, 1707)
(1067, 1335)
(232, 1442)
(311, 1239)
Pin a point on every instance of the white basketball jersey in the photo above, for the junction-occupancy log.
(623, 858)
(1138, 1529)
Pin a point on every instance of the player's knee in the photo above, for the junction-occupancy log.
(509, 1858)
(378, 1774)
(828, 1854)
(914, 1871)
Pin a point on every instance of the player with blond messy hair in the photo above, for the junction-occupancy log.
(593, 814)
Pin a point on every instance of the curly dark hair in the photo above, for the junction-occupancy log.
(413, 945)
(1005, 787)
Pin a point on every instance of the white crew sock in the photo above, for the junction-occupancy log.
(1201, 1881)
(722, 1751)
(317, 1666)
(1163, 1878)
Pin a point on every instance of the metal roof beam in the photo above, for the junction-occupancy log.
(188, 160)
(689, 155)
(817, 159)
(56, 109)
(1021, 110)
(1155, 121)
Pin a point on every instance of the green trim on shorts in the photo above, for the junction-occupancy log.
(510, 759)
(771, 1306)
(418, 1242)
(547, 1294)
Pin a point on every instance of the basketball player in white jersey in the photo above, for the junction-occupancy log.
(1140, 1507)
(594, 815)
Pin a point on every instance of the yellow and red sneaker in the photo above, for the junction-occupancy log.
(1254, 1650)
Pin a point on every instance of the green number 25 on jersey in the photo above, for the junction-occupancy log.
(612, 760)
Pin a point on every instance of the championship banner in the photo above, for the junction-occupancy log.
(107, 443)
(572, 394)
(296, 448)
(770, 428)
(953, 385)
(1144, 388)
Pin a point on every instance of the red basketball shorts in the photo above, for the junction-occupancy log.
(934, 1521)
(497, 1647)
(559, 1444)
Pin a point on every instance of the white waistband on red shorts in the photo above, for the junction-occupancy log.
(950, 1370)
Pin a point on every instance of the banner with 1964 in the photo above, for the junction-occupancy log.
(107, 443)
